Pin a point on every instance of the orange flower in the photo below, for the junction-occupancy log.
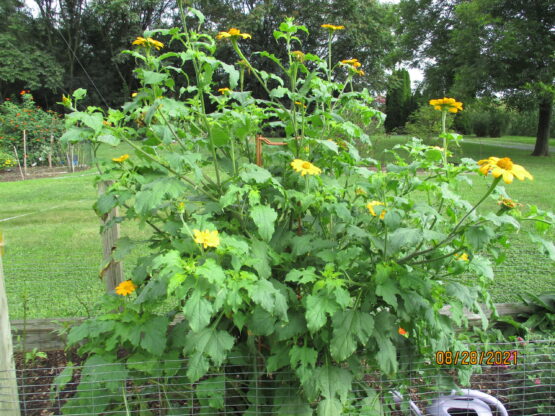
(125, 288)
(402, 331)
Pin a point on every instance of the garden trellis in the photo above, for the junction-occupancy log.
(527, 388)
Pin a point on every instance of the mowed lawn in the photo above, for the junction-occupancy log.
(53, 253)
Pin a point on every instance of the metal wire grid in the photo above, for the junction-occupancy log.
(527, 388)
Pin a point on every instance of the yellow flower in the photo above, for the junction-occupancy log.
(233, 34)
(305, 168)
(207, 238)
(300, 104)
(353, 62)
(503, 167)
(224, 90)
(360, 191)
(125, 288)
(140, 41)
(332, 27)
(134, 94)
(121, 159)
(462, 256)
(371, 206)
(447, 104)
(298, 55)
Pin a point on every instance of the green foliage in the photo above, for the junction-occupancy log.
(425, 123)
(485, 118)
(6, 160)
(39, 126)
(306, 262)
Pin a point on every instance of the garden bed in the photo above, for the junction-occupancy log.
(524, 389)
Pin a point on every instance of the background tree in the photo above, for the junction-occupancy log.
(398, 100)
(480, 47)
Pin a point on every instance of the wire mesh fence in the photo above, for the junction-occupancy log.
(526, 386)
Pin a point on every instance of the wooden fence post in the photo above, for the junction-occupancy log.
(9, 399)
(112, 271)
(25, 152)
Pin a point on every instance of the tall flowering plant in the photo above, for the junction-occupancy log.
(312, 261)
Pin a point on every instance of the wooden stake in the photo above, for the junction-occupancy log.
(50, 151)
(9, 399)
(259, 140)
(71, 156)
(112, 271)
(25, 152)
(18, 163)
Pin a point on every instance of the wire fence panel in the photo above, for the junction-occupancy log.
(238, 388)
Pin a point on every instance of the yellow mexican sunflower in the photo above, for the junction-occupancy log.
(371, 206)
(353, 62)
(207, 238)
(305, 168)
(224, 90)
(503, 167)
(332, 27)
(298, 55)
(140, 41)
(121, 159)
(448, 104)
(462, 256)
(233, 34)
(125, 288)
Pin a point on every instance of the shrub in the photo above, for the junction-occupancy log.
(38, 124)
(425, 123)
(6, 160)
(305, 261)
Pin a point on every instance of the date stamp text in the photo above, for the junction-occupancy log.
(476, 357)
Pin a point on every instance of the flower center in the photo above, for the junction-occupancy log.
(306, 165)
(505, 163)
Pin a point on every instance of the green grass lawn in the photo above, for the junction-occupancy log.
(54, 253)
(507, 139)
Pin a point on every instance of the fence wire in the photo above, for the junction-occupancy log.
(162, 388)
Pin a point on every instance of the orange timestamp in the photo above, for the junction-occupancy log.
(476, 357)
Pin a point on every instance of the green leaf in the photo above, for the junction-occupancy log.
(101, 370)
(153, 335)
(61, 380)
(108, 139)
(478, 236)
(333, 382)
(197, 367)
(402, 238)
(211, 392)
(547, 247)
(259, 259)
(198, 311)
(264, 218)
(79, 93)
(219, 135)
(233, 74)
(482, 266)
(330, 407)
(152, 195)
(254, 173)
(302, 276)
(261, 322)
(347, 327)
(278, 92)
(212, 272)
(105, 204)
(317, 306)
(386, 286)
(151, 78)
(302, 356)
(211, 342)
(75, 135)
(124, 246)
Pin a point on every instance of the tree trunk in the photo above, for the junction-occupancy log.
(542, 137)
